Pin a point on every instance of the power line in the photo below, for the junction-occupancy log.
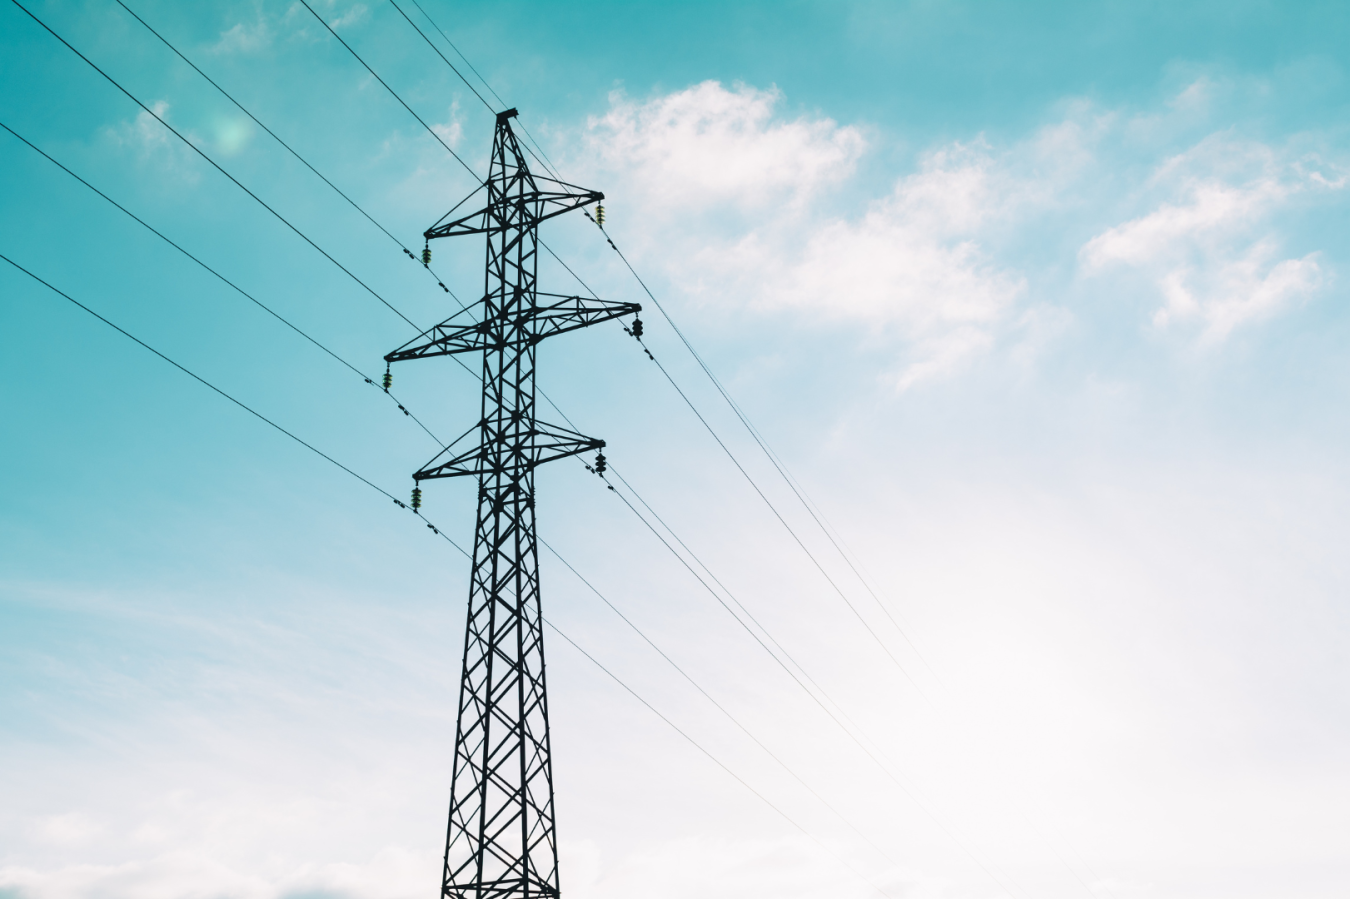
(213, 163)
(294, 153)
(392, 93)
(545, 162)
(880, 764)
(711, 576)
(273, 134)
(486, 84)
(772, 456)
(708, 571)
(439, 533)
(730, 455)
(289, 149)
(442, 56)
(732, 596)
(734, 720)
(249, 409)
(714, 758)
(772, 639)
(261, 305)
(236, 181)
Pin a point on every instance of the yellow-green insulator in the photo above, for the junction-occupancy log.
(426, 255)
(388, 380)
(600, 215)
(416, 498)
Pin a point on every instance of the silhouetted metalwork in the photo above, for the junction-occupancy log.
(501, 842)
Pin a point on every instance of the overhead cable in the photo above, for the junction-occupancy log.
(248, 296)
(879, 763)
(437, 51)
(776, 462)
(721, 708)
(391, 91)
(198, 378)
(213, 163)
(303, 161)
(545, 162)
(716, 760)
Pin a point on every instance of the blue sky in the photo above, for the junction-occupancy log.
(1044, 305)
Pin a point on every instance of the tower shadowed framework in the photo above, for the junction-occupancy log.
(501, 842)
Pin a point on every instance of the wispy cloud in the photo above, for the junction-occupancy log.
(1210, 245)
(911, 264)
(353, 16)
(710, 145)
(451, 130)
(244, 38)
(147, 137)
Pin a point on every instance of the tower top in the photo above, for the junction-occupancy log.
(503, 117)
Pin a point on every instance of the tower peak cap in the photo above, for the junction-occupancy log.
(503, 117)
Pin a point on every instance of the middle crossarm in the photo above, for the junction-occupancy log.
(558, 316)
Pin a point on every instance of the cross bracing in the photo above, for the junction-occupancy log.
(501, 838)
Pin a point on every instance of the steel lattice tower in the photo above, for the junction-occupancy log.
(501, 842)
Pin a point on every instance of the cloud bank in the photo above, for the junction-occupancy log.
(748, 207)
(1210, 245)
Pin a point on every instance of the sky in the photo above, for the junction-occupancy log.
(1042, 306)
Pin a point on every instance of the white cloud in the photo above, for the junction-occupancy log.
(243, 38)
(706, 145)
(910, 264)
(911, 259)
(72, 827)
(1235, 291)
(353, 16)
(152, 142)
(182, 875)
(748, 185)
(785, 866)
(450, 131)
(145, 133)
(1210, 247)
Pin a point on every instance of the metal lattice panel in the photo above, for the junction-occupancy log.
(501, 842)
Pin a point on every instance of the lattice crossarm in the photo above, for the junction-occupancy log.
(457, 334)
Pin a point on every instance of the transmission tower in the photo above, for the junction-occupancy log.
(501, 842)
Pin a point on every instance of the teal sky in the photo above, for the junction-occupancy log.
(1044, 305)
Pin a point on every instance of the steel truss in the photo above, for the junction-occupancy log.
(501, 842)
